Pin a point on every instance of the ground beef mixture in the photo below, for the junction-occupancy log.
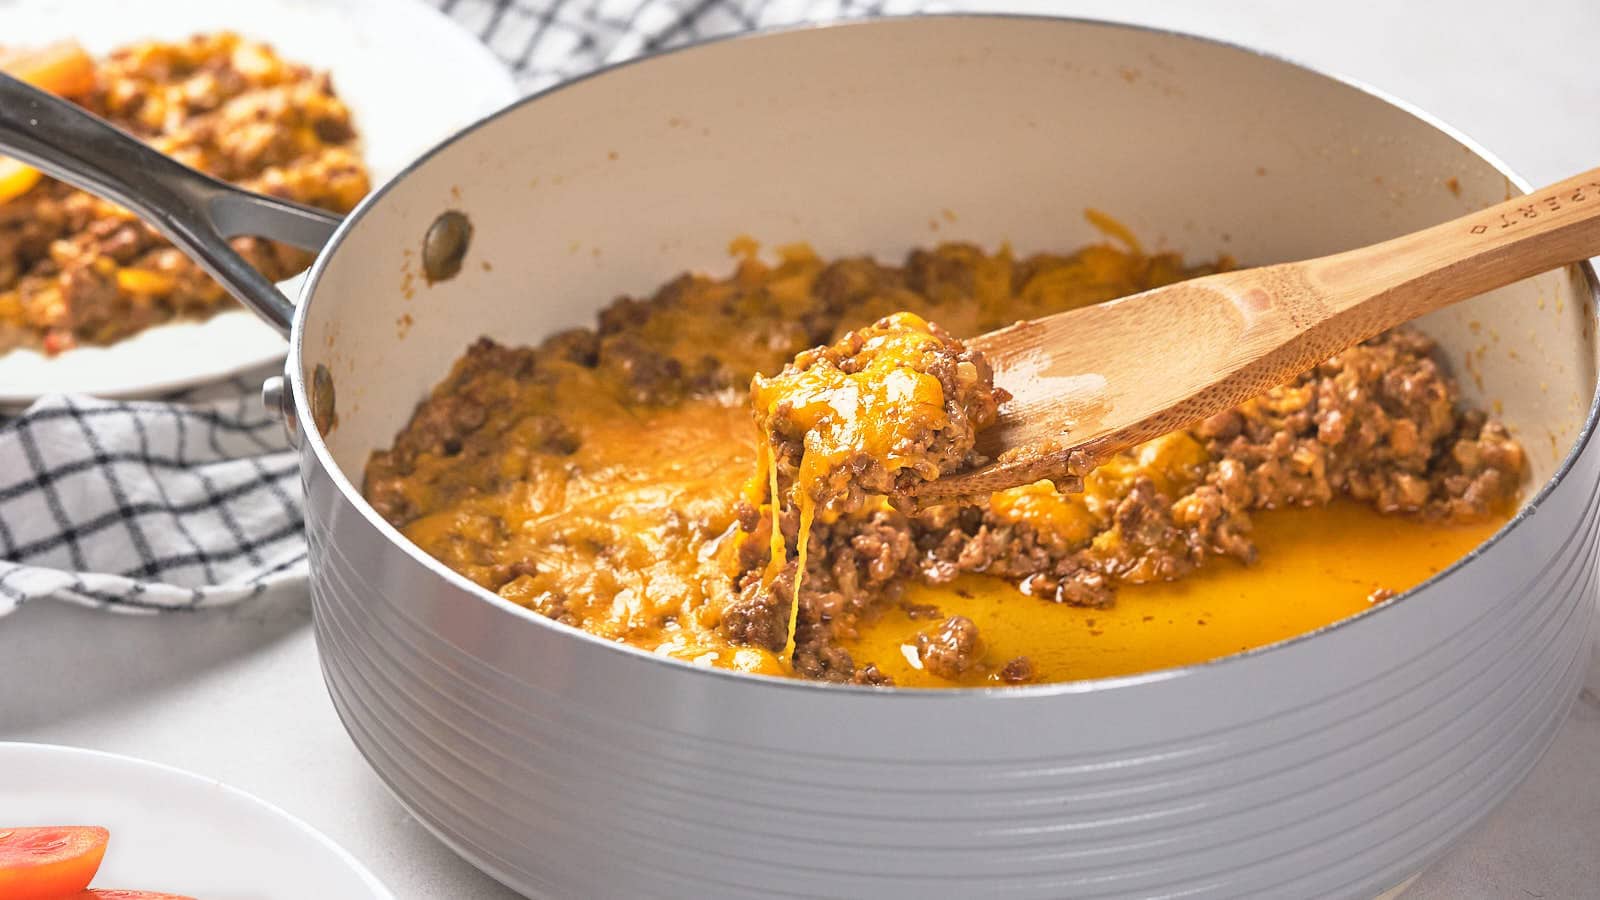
(76, 270)
(605, 477)
(885, 406)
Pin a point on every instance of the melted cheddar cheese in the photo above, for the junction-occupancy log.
(572, 482)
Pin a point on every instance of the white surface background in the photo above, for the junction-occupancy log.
(237, 694)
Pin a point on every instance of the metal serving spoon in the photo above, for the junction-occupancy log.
(1090, 382)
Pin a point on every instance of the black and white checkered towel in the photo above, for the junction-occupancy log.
(191, 501)
(194, 501)
(546, 41)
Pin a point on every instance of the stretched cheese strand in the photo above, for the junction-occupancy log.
(808, 508)
(779, 552)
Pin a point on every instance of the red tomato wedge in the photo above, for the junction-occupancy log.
(49, 863)
(103, 894)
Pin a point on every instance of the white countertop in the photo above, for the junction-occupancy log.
(237, 694)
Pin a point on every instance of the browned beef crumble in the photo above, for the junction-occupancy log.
(950, 650)
(1017, 671)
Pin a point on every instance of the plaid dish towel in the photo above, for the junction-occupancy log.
(175, 504)
(194, 500)
(546, 41)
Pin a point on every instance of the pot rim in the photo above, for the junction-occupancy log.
(311, 437)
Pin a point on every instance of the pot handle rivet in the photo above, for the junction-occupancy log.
(275, 397)
(445, 244)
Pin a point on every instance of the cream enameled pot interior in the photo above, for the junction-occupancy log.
(1331, 766)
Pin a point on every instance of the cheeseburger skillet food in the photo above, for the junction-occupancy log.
(719, 474)
(76, 270)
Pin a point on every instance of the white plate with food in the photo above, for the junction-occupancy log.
(406, 74)
(122, 824)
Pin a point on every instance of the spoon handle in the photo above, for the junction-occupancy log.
(1298, 314)
(1283, 319)
(196, 212)
(1414, 274)
(1294, 315)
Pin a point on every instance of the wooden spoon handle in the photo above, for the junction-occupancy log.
(1423, 271)
(1295, 315)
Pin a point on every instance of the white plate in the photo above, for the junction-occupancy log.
(410, 75)
(175, 831)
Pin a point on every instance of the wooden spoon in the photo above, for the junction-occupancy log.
(1090, 382)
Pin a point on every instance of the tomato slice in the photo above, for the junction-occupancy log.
(103, 894)
(49, 863)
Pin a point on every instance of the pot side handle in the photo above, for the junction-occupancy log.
(196, 212)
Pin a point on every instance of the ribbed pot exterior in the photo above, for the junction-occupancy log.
(1336, 766)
